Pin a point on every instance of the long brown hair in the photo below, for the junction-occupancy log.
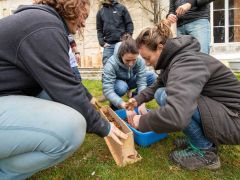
(152, 37)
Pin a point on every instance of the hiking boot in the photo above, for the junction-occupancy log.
(181, 143)
(102, 98)
(193, 158)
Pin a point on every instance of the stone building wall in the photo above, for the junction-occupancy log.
(91, 52)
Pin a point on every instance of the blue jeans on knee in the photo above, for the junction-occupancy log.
(200, 29)
(194, 130)
(121, 87)
(107, 53)
(36, 134)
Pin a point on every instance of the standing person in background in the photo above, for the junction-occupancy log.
(192, 18)
(113, 21)
(74, 57)
(35, 133)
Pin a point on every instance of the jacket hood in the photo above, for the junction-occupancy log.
(117, 58)
(43, 8)
(176, 46)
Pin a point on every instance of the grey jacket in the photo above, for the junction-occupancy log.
(194, 79)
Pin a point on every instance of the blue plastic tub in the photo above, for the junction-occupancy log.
(142, 139)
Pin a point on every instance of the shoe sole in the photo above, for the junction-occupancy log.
(214, 166)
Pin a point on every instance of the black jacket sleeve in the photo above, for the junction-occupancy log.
(172, 7)
(199, 3)
(44, 54)
(99, 24)
(185, 82)
(128, 22)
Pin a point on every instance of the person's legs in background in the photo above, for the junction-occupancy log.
(107, 53)
(120, 88)
(200, 152)
(76, 73)
(36, 137)
(181, 30)
(200, 29)
(150, 77)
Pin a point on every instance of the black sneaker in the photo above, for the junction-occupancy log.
(193, 158)
(181, 143)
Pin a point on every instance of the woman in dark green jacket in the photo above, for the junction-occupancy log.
(197, 94)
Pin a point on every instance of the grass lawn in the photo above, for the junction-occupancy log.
(94, 161)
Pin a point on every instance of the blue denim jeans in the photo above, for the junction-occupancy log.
(200, 29)
(121, 87)
(107, 53)
(194, 130)
(36, 134)
(76, 73)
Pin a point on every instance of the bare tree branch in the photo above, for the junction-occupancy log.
(144, 7)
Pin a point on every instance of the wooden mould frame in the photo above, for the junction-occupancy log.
(125, 154)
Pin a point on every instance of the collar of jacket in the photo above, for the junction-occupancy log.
(43, 8)
(175, 46)
(107, 4)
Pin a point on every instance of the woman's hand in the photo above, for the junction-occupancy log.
(93, 102)
(116, 134)
(135, 121)
(142, 109)
(130, 115)
(123, 105)
(131, 104)
(183, 9)
(172, 18)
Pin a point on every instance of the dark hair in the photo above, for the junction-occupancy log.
(152, 37)
(128, 45)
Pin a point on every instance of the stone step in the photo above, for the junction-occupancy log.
(91, 73)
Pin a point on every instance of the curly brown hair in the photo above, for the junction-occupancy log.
(67, 9)
(151, 37)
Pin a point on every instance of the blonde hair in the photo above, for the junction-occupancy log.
(67, 9)
(152, 37)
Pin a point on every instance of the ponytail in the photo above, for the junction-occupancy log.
(152, 37)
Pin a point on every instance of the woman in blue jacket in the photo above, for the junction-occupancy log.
(125, 70)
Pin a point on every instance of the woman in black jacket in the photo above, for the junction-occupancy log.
(197, 94)
(36, 133)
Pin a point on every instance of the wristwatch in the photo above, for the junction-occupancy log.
(77, 53)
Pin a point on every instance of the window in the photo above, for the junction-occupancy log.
(226, 21)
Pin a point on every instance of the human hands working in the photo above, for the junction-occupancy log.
(135, 122)
(106, 45)
(131, 104)
(130, 115)
(183, 9)
(142, 109)
(116, 134)
(172, 18)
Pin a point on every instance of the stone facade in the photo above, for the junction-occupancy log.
(91, 52)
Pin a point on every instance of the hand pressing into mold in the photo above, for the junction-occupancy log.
(116, 134)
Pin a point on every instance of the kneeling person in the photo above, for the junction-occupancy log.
(125, 70)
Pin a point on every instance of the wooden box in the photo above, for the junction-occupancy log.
(122, 154)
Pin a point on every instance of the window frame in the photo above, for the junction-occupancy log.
(226, 24)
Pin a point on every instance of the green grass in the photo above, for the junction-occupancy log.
(94, 161)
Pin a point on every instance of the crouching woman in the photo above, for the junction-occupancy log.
(197, 94)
